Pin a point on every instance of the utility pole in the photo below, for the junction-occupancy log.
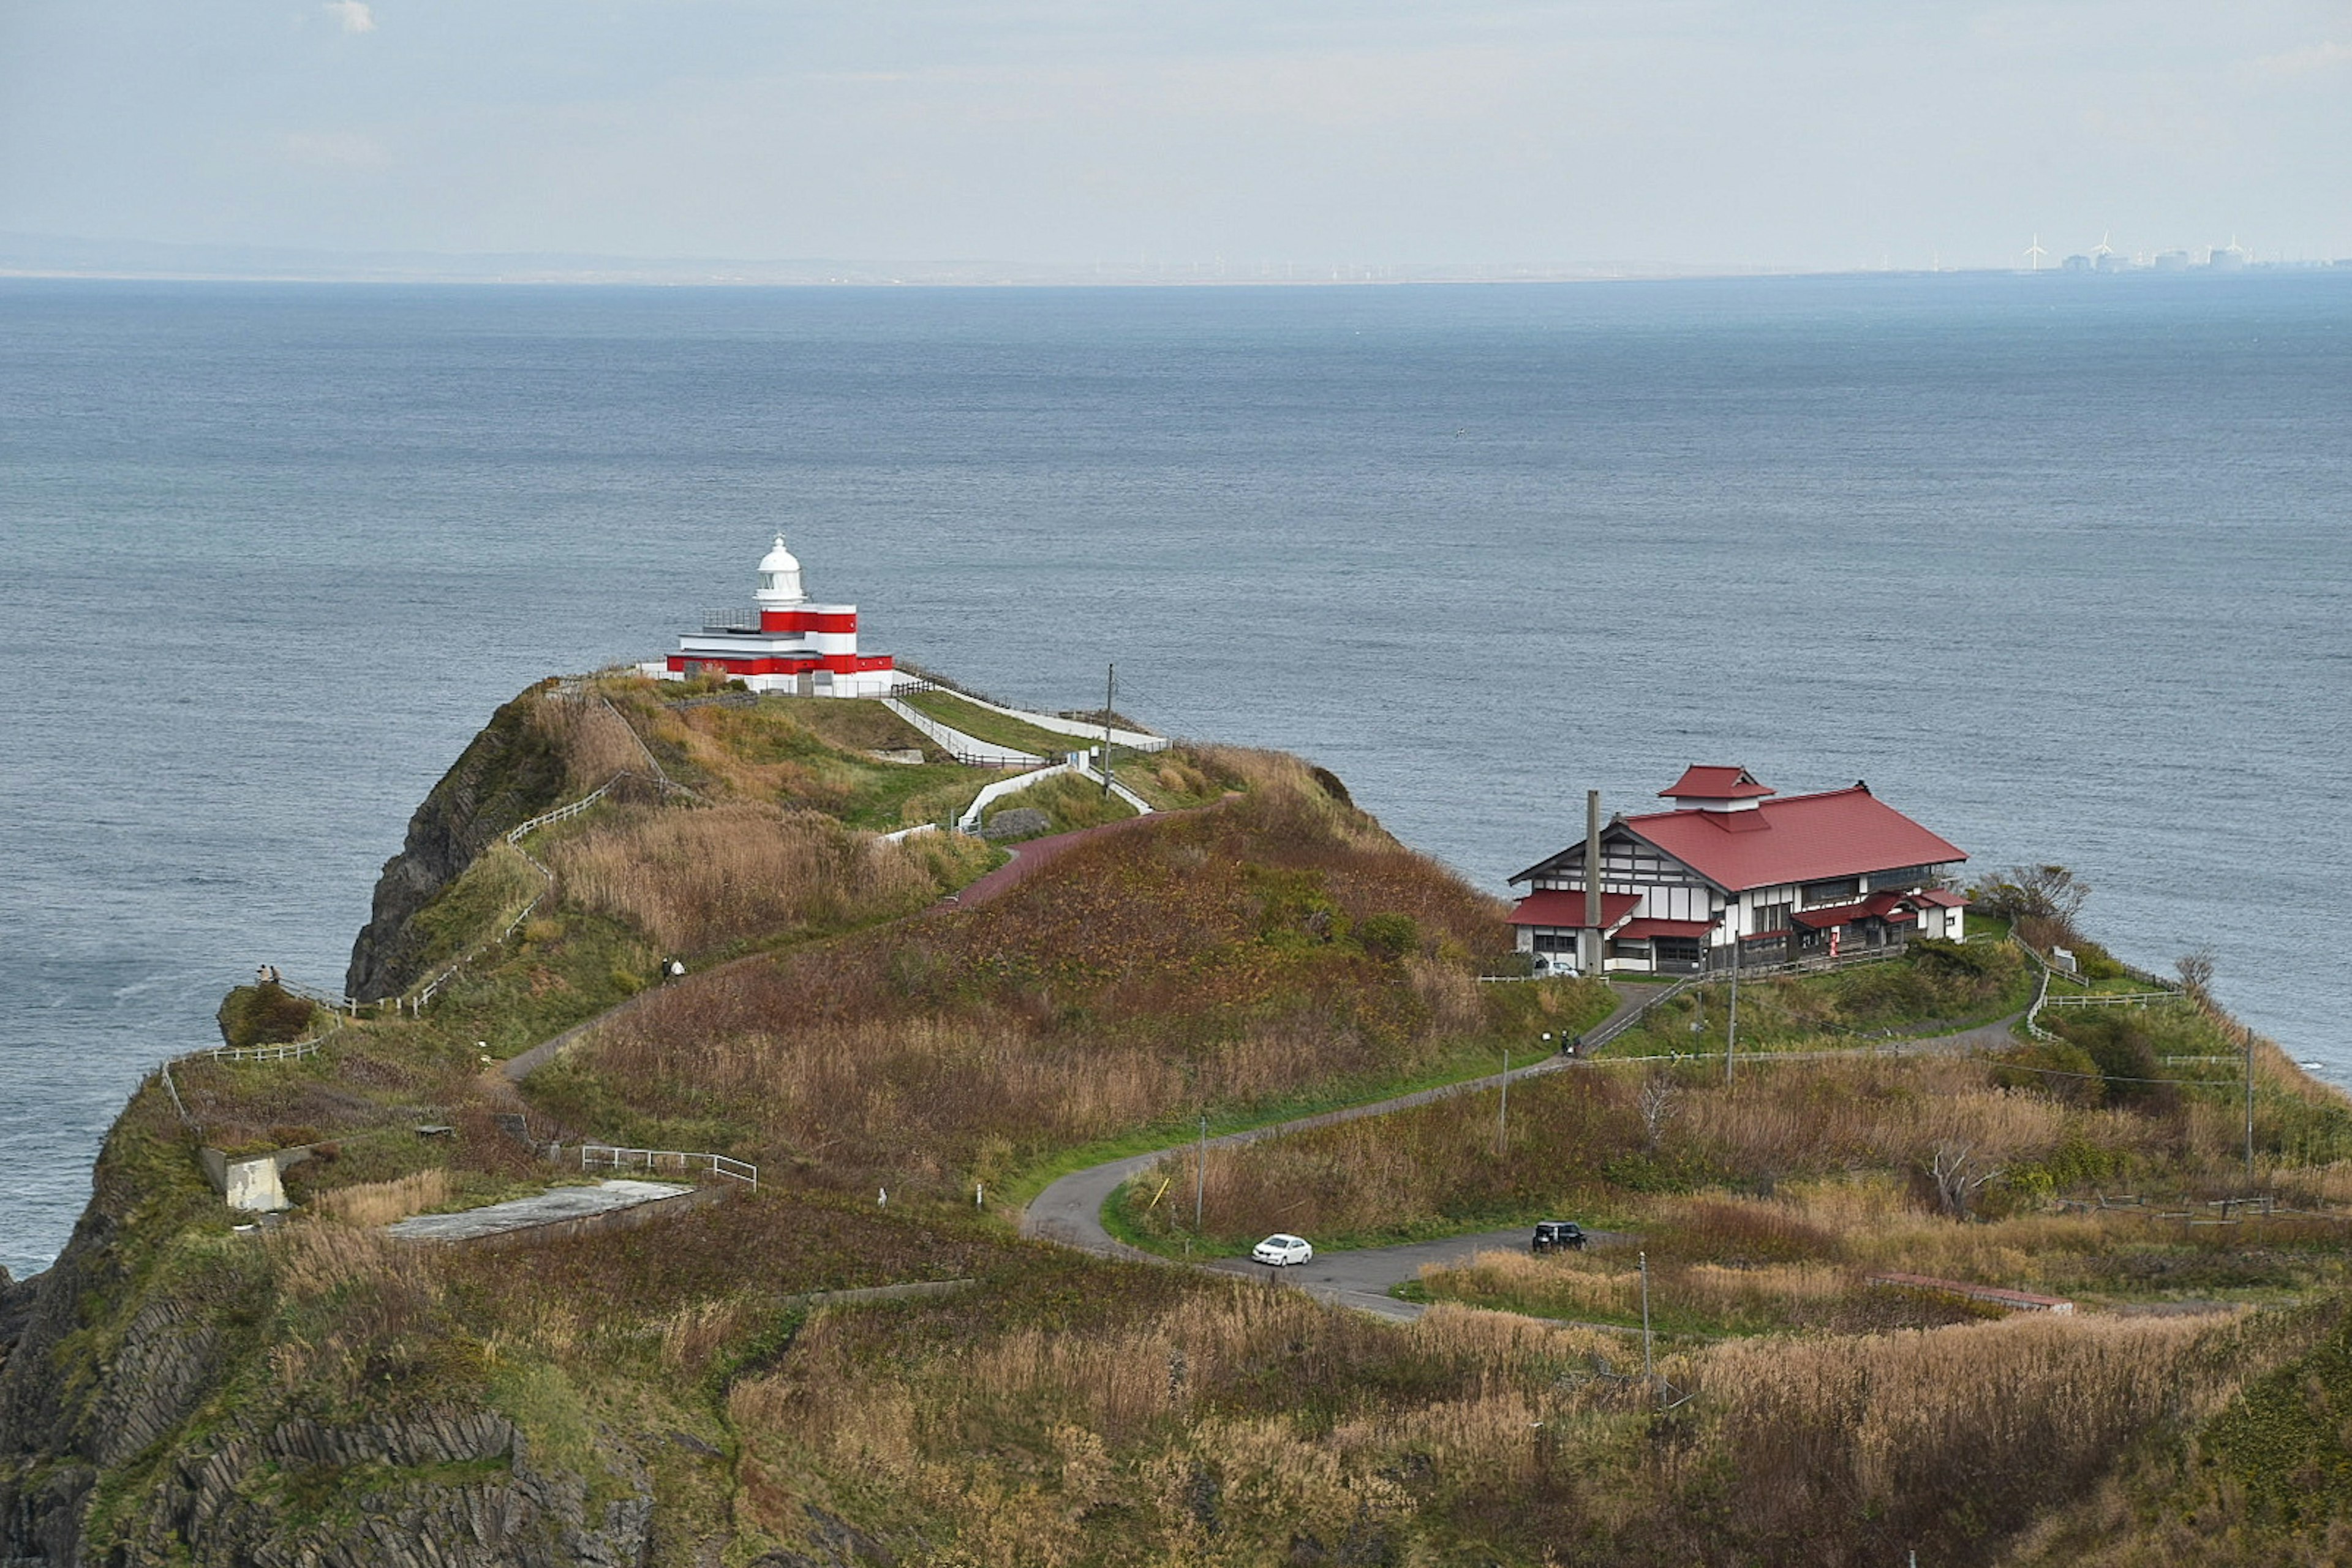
(1731, 1028)
(1590, 959)
(1111, 697)
(1201, 1174)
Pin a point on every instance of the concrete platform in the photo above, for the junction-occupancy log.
(566, 1206)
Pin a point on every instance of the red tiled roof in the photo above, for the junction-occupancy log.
(1715, 783)
(1880, 904)
(1805, 839)
(1940, 899)
(1636, 930)
(1565, 910)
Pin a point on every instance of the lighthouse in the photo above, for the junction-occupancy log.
(786, 641)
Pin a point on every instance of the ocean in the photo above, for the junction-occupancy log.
(2059, 565)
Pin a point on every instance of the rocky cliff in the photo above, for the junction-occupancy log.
(513, 772)
(139, 1424)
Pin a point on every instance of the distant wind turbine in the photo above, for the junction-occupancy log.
(2036, 252)
(2102, 248)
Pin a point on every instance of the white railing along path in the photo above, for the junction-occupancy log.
(611, 1157)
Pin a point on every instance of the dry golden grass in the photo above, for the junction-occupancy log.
(1602, 1284)
(1015, 1439)
(1880, 1415)
(1577, 1139)
(355, 1311)
(1198, 959)
(377, 1203)
(596, 740)
(1204, 1429)
(694, 1334)
(696, 879)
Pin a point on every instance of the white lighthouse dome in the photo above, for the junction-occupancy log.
(780, 577)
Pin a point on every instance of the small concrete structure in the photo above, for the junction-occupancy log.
(568, 1207)
(252, 1183)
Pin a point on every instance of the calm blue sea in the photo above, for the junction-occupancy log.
(2059, 565)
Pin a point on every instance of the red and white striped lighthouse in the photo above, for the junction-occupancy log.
(785, 642)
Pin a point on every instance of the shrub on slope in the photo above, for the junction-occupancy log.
(1207, 958)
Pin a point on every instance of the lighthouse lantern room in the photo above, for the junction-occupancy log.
(785, 642)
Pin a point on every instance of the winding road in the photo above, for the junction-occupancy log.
(1069, 1211)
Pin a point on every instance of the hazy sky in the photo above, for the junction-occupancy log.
(1811, 132)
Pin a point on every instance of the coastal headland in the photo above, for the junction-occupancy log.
(881, 1160)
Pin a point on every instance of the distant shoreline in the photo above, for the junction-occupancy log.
(34, 260)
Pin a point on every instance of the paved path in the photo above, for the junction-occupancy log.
(552, 1206)
(1362, 1277)
(1069, 1211)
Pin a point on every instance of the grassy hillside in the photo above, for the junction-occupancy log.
(1275, 946)
(860, 1016)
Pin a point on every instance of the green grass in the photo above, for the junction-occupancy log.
(1899, 998)
(1069, 803)
(893, 796)
(559, 1423)
(986, 724)
(1170, 780)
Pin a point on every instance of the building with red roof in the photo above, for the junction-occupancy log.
(784, 642)
(1735, 873)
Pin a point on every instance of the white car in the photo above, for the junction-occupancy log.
(1281, 1251)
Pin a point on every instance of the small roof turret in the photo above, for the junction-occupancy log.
(1699, 783)
(780, 577)
(1717, 789)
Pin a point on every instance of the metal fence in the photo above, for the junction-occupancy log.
(2114, 999)
(732, 619)
(607, 1157)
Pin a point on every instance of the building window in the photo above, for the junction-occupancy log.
(1844, 891)
(1555, 941)
(1677, 950)
(1772, 918)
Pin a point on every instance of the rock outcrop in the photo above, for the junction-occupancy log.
(513, 771)
(115, 1449)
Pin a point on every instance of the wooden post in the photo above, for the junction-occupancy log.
(2249, 1036)
(1201, 1174)
(1503, 1117)
(1649, 1374)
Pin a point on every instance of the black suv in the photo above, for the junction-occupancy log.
(1557, 1236)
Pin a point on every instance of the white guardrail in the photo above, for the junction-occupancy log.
(609, 1157)
(291, 1051)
